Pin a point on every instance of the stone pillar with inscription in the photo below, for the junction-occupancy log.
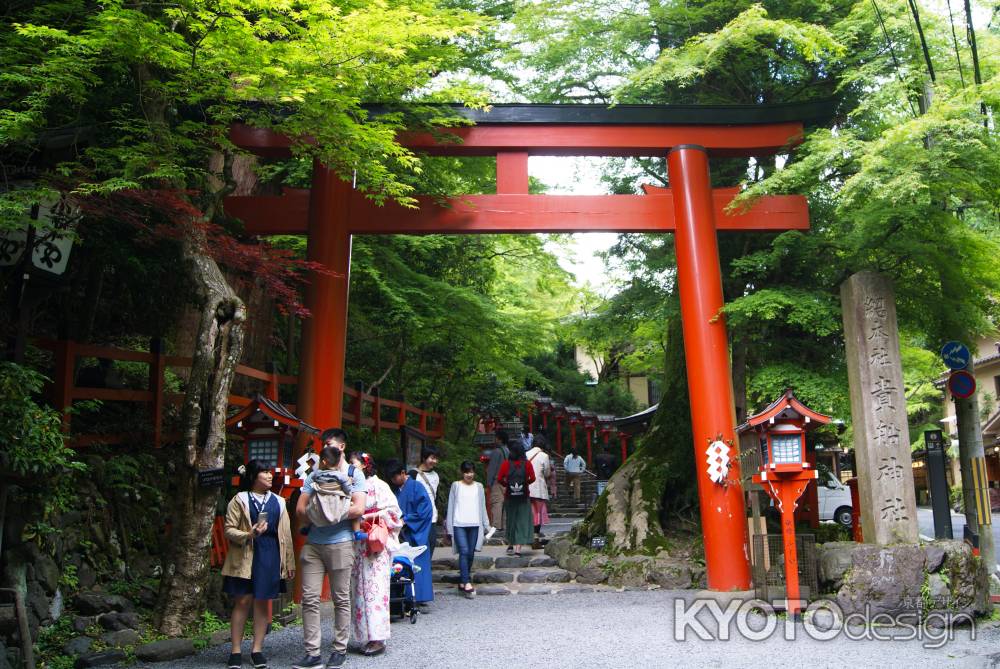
(878, 410)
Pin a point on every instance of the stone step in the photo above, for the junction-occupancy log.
(528, 589)
(494, 576)
(502, 562)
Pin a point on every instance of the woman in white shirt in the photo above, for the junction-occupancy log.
(467, 522)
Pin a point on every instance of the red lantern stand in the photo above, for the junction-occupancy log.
(559, 413)
(607, 429)
(786, 472)
(785, 487)
(589, 421)
(544, 405)
(623, 440)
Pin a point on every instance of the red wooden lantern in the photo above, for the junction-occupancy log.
(269, 431)
(785, 471)
(544, 407)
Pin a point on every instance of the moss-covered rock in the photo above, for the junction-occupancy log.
(899, 580)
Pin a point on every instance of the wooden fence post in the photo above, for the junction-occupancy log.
(423, 418)
(377, 410)
(157, 365)
(63, 379)
(359, 402)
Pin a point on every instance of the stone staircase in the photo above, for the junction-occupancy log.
(564, 506)
(533, 574)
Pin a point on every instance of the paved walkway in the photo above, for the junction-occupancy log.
(608, 630)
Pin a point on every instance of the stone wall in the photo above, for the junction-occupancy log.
(673, 568)
(937, 577)
(107, 545)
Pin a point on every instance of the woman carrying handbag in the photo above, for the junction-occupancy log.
(370, 577)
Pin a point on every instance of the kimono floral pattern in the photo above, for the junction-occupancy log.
(370, 575)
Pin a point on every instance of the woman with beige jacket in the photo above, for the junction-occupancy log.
(260, 556)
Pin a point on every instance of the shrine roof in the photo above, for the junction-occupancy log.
(275, 410)
(783, 407)
(637, 419)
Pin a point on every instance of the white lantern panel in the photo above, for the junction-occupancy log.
(786, 448)
(264, 451)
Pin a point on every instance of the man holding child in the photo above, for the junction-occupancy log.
(329, 551)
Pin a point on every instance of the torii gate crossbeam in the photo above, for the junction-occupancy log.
(330, 212)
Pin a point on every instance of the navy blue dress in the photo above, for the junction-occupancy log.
(265, 573)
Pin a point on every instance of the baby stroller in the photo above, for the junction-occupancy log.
(402, 594)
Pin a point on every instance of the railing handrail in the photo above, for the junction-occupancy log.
(65, 390)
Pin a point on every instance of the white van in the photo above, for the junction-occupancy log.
(834, 498)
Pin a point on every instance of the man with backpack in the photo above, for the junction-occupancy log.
(329, 550)
(497, 457)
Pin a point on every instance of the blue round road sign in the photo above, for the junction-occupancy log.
(956, 355)
(961, 384)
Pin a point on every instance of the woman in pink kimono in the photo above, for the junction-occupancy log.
(370, 575)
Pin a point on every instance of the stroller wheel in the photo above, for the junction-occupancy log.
(413, 617)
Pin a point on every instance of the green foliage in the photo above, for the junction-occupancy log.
(34, 449)
(828, 532)
(68, 578)
(318, 60)
(738, 50)
(453, 321)
(207, 624)
(824, 392)
(48, 646)
(955, 497)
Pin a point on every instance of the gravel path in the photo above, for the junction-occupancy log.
(627, 630)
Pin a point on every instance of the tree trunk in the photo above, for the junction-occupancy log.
(217, 352)
(656, 483)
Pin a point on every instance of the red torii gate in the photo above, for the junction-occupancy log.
(331, 211)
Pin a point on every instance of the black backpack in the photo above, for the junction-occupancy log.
(517, 480)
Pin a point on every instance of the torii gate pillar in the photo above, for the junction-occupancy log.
(324, 334)
(706, 347)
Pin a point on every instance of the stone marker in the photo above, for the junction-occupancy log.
(878, 410)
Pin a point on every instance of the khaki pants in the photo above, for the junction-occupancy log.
(574, 482)
(496, 505)
(335, 561)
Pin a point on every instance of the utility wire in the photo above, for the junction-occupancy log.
(892, 52)
(923, 41)
(954, 39)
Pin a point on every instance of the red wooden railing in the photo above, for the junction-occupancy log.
(64, 391)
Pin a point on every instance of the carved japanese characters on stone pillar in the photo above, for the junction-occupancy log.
(878, 410)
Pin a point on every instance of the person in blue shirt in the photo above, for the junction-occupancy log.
(329, 551)
(418, 512)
